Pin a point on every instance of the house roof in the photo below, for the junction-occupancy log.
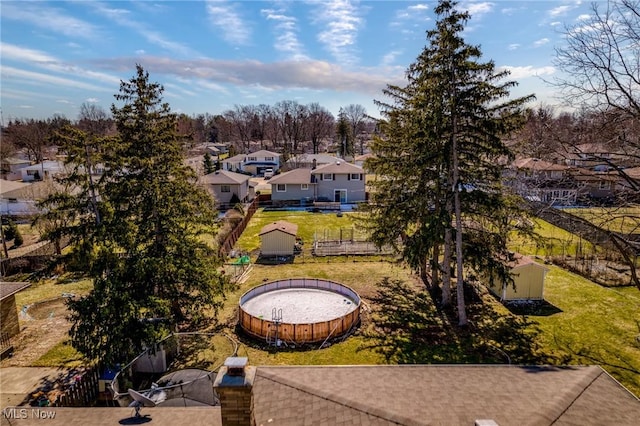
(34, 191)
(224, 177)
(15, 160)
(10, 288)
(295, 176)
(338, 167)
(263, 153)
(280, 225)
(424, 394)
(406, 395)
(235, 159)
(537, 164)
(308, 158)
(11, 185)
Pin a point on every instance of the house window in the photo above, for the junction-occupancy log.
(327, 176)
(225, 188)
(281, 187)
(253, 158)
(268, 158)
(304, 186)
(354, 176)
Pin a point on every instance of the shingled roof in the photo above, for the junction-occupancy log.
(280, 225)
(9, 288)
(441, 395)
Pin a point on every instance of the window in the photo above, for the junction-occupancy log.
(327, 176)
(354, 176)
(268, 158)
(225, 188)
(304, 186)
(253, 159)
(281, 187)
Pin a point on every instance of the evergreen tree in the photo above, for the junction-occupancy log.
(438, 160)
(152, 272)
(343, 132)
(209, 167)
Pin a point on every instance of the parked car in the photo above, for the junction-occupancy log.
(268, 173)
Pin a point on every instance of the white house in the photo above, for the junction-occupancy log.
(11, 167)
(255, 163)
(42, 171)
(340, 182)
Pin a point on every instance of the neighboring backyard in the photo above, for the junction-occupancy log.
(580, 323)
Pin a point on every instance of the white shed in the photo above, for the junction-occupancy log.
(278, 239)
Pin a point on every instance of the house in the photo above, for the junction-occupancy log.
(539, 180)
(339, 182)
(528, 281)
(42, 171)
(255, 163)
(21, 199)
(594, 185)
(504, 395)
(10, 167)
(9, 313)
(278, 239)
(223, 185)
(295, 185)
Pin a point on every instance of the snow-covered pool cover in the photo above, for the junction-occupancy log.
(300, 305)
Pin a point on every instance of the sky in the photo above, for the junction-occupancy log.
(212, 55)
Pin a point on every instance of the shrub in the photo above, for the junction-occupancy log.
(18, 240)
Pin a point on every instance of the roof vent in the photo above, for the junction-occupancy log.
(338, 162)
(485, 422)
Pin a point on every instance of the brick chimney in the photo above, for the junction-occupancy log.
(234, 384)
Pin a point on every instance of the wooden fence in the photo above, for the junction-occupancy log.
(81, 392)
(234, 235)
(5, 345)
(32, 260)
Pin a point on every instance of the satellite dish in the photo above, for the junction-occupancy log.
(151, 398)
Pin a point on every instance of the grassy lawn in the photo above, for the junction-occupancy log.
(555, 242)
(590, 324)
(617, 219)
(51, 289)
(308, 225)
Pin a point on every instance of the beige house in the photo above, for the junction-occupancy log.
(278, 239)
(223, 184)
(528, 277)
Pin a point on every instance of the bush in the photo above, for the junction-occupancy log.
(10, 230)
(18, 240)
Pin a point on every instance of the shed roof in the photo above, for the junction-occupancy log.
(280, 225)
(522, 260)
(10, 288)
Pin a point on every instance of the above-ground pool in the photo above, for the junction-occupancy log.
(299, 310)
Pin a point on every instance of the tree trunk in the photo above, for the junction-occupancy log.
(462, 309)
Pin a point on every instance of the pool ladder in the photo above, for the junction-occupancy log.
(276, 317)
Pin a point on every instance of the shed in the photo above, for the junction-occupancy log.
(278, 239)
(528, 277)
(9, 312)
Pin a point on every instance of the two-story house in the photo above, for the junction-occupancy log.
(255, 163)
(223, 185)
(336, 182)
(539, 180)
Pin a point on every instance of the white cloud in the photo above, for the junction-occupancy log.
(287, 37)
(390, 57)
(140, 52)
(51, 19)
(306, 74)
(25, 106)
(92, 100)
(518, 73)
(541, 42)
(50, 63)
(477, 9)
(228, 22)
(342, 22)
(419, 7)
(583, 17)
(123, 18)
(514, 46)
(39, 78)
(63, 101)
(410, 20)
